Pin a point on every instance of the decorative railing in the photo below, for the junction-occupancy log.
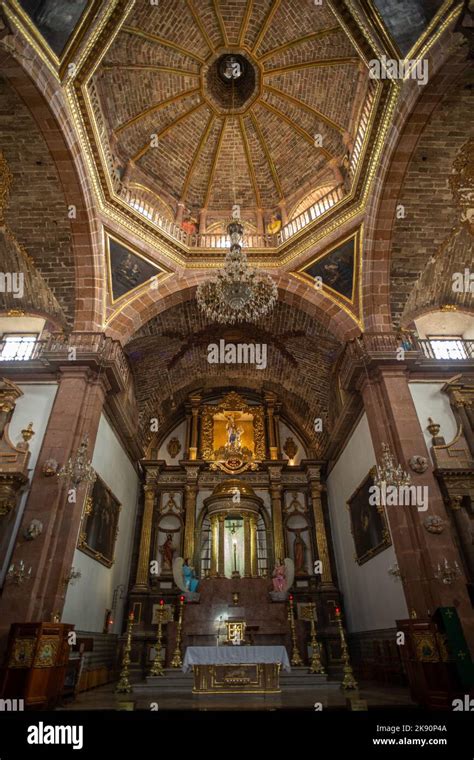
(79, 346)
(313, 212)
(363, 126)
(385, 347)
(441, 349)
(220, 240)
(18, 350)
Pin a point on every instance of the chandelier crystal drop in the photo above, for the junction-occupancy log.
(239, 292)
(388, 473)
(78, 470)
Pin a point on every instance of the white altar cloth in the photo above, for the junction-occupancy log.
(235, 655)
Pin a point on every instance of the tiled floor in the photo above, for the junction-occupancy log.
(144, 697)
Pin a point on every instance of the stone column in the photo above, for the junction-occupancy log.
(326, 579)
(462, 522)
(221, 565)
(75, 413)
(277, 518)
(461, 404)
(247, 557)
(191, 490)
(143, 566)
(253, 547)
(195, 403)
(276, 420)
(393, 419)
(270, 406)
(214, 545)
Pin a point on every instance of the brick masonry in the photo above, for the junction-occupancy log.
(37, 212)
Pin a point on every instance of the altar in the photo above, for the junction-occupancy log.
(231, 669)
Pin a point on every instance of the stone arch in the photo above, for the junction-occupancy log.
(39, 92)
(381, 215)
(177, 290)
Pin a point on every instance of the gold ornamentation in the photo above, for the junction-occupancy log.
(46, 652)
(290, 448)
(177, 660)
(124, 686)
(308, 612)
(157, 667)
(425, 647)
(232, 457)
(28, 433)
(295, 655)
(348, 682)
(173, 448)
(247, 678)
(6, 178)
(22, 653)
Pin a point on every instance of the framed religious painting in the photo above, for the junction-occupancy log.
(99, 527)
(368, 522)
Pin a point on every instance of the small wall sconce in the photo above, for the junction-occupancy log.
(19, 574)
(50, 468)
(395, 572)
(72, 576)
(446, 573)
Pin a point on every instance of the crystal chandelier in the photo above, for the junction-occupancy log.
(78, 470)
(388, 473)
(447, 573)
(240, 292)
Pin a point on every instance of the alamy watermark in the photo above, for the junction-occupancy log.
(392, 68)
(414, 496)
(463, 282)
(12, 282)
(237, 353)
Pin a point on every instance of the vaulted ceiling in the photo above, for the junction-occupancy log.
(169, 354)
(280, 123)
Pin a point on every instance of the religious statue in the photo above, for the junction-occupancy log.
(282, 581)
(167, 551)
(274, 225)
(299, 552)
(185, 579)
(234, 433)
(279, 576)
(190, 580)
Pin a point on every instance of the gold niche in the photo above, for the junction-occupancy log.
(233, 435)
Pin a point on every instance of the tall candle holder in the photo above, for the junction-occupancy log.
(177, 660)
(315, 666)
(124, 686)
(295, 655)
(348, 682)
(157, 667)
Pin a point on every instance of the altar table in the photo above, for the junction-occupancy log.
(228, 669)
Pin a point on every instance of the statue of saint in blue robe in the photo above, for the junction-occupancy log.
(190, 580)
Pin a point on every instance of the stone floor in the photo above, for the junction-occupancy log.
(329, 696)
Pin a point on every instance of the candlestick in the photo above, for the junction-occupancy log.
(348, 682)
(315, 665)
(124, 686)
(157, 667)
(295, 655)
(177, 660)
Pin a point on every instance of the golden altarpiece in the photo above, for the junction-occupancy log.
(231, 488)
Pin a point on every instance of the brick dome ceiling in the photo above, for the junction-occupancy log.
(164, 75)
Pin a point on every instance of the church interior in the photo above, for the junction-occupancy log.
(236, 354)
